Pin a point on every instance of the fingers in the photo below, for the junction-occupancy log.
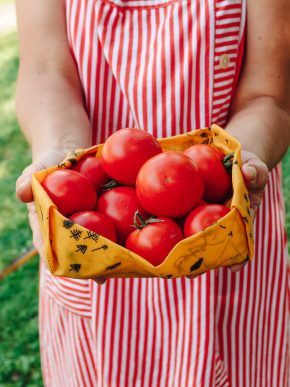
(34, 224)
(23, 183)
(255, 201)
(255, 175)
(255, 172)
(24, 194)
(237, 267)
(100, 280)
(44, 160)
(233, 268)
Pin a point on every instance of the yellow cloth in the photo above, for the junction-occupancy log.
(73, 251)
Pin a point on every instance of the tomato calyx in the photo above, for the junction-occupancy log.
(140, 222)
(110, 185)
(228, 162)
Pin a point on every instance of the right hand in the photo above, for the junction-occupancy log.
(24, 190)
(24, 194)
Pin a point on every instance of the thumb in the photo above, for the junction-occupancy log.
(249, 172)
(45, 160)
(255, 172)
(23, 183)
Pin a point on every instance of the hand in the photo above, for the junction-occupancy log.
(256, 174)
(24, 194)
(24, 191)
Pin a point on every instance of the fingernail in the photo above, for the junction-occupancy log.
(253, 172)
(100, 281)
(19, 189)
(239, 268)
(236, 268)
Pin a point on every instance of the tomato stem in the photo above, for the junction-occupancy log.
(228, 162)
(140, 223)
(110, 185)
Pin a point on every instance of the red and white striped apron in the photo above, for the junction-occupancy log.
(168, 66)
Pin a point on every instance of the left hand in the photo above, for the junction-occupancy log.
(256, 174)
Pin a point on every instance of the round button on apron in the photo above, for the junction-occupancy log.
(224, 61)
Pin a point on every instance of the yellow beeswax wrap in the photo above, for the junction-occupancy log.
(73, 251)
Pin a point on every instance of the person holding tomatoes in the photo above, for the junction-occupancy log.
(90, 67)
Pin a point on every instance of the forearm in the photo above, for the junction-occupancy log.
(262, 127)
(51, 112)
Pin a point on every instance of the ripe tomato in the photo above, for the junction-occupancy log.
(96, 222)
(126, 151)
(91, 168)
(155, 241)
(202, 217)
(120, 205)
(70, 191)
(169, 185)
(181, 221)
(209, 162)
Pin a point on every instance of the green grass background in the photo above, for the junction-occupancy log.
(19, 346)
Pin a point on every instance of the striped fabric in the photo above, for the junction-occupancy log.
(168, 67)
(228, 38)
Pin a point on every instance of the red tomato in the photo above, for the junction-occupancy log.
(70, 191)
(202, 217)
(126, 151)
(155, 241)
(169, 185)
(209, 162)
(91, 168)
(181, 221)
(96, 222)
(120, 205)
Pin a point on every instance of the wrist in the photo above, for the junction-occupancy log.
(58, 149)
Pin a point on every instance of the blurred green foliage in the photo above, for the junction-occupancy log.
(19, 346)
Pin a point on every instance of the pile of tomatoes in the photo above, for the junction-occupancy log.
(140, 197)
